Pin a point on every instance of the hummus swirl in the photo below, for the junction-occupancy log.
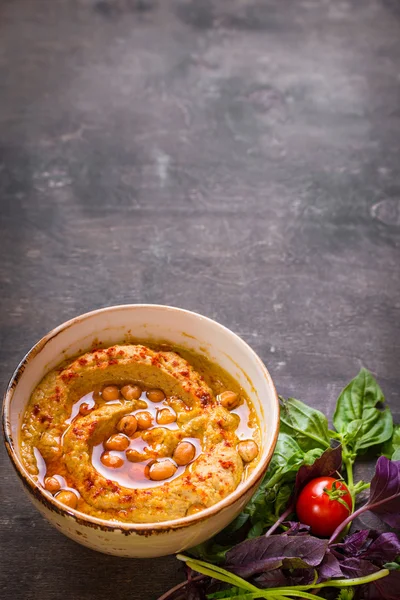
(66, 444)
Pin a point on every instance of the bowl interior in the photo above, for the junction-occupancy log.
(147, 322)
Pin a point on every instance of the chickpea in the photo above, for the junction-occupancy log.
(111, 461)
(127, 425)
(194, 509)
(184, 453)
(165, 417)
(248, 450)
(118, 441)
(131, 392)
(155, 395)
(68, 498)
(229, 400)
(160, 470)
(110, 392)
(52, 485)
(85, 409)
(144, 420)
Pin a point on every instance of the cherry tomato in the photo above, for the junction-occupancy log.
(323, 504)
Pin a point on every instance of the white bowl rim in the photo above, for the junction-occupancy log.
(139, 528)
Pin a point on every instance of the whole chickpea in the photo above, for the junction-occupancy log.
(127, 425)
(131, 392)
(52, 485)
(68, 498)
(248, 450)
(228, 400)
(184, 453)
(110, 392)
(118, 441)
(155, 395)
(111, 461)
(144, 420)
(160, 470)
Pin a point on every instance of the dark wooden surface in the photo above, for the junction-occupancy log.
(240, 159)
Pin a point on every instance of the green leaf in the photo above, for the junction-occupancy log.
(237, 523)
(352, 430)
(391, 448)
(256, 530)
(210, 551)
(392, 566)
(282, 499)
(308, 425)
(377, 427)
(346, 594)
(286, 456)
(285, 462)
(311, 456)
(357, 418)
(271, 497)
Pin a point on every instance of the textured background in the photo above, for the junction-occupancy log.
(237, 158)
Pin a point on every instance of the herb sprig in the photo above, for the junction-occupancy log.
(260, 563)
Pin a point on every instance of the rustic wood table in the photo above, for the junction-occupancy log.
(240, 159)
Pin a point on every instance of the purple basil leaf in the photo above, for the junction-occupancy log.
(295, 528)
(387, 588)
(267, 553)
(354, 543)
(329, 568)
(275, 578)
(384, 498)
(378, 548)
(284, 577)
(357, 567)
(385, 548)
(327, 465)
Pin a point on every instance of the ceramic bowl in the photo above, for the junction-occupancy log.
(109, 326)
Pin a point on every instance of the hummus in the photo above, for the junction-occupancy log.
(68, 426)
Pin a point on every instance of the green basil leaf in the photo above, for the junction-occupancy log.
(237, 523)
(391, 448)
(377, 426)
(307, 425)
(271, 497)
(346, 594)
(261, 507)
(282, 499)
(256, 530)
(209, 551)
(286, 448)
(357, 403)
(311, 456)
(352, 430)
(392, 566)
(287, 457)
